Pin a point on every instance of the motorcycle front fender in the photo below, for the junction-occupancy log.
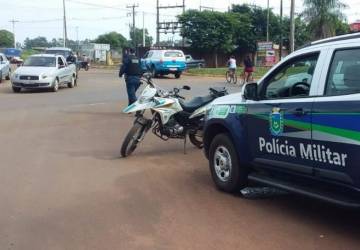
(137, 106)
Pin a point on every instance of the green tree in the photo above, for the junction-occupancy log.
(322, 17)
(258, 19)
(6, 38)
(138, 39)
(36, 42)
(116, 40)
(208, 30)
(302, 33)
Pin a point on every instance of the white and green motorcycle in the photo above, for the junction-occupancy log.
(172, 117)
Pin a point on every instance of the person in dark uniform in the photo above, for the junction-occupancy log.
(71, 58)
(132, 70)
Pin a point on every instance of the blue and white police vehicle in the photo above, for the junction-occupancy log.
(296, 129)
(164, 62)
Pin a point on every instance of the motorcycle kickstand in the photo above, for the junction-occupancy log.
(186, 134)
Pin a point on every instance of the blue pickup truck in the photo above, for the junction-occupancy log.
(164, 62)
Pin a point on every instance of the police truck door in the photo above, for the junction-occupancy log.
(336, 120)
(279, 124)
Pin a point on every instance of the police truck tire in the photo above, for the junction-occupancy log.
(8, 75)
(71, 84)
(226, 172)
(16, 89)
(55, 86)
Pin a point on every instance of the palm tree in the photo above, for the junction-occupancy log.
(322, 16)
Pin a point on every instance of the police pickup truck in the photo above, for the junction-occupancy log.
(296, 129)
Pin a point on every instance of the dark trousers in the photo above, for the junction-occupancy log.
(132, 85)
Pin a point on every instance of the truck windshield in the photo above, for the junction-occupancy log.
(173, 54)
(40, 62)
(64, 53)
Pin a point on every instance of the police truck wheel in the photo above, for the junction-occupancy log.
(72, 83)
(55, 87)
(16, 89)
(226, 172)
(8, 75)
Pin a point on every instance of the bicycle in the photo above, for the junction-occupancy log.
(231, 76)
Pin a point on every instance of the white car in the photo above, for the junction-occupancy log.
(5, 70)
(43, 71)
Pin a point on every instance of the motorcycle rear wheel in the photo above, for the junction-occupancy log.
(132, 139)
(196, 140)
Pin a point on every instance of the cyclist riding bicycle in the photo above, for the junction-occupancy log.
(232, 64)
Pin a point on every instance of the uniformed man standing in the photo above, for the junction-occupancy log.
(132, 69)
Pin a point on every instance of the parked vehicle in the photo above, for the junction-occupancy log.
(13, 55)
(5, 69)
(164, 62)
(67, 54)
(44, 71)
(172, 118)
(194, 63)
(297, 129)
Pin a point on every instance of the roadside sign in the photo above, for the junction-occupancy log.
(264, 46)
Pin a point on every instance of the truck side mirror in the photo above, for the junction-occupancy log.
(251, 91)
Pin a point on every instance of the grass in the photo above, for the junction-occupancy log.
(259, 71)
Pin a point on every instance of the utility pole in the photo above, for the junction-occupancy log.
(77, 38)
(65, 28)
(292, 26)
(13, 21)
(165, 27)
(268, 20)
(133, 24)
(143, 30)
(281, 31)
(157, 22)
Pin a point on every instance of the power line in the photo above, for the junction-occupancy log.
(97, 5)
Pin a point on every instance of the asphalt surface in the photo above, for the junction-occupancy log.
(64, 186)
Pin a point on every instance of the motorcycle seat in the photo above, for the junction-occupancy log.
(196, 103)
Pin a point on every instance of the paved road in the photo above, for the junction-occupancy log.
(63, 185)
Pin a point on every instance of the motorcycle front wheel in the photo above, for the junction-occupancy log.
(132, 139)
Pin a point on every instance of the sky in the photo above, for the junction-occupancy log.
(89, 18)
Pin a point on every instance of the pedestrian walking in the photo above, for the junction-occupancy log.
(131, 68)
(248, 69)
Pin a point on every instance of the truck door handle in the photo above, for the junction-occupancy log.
(299, 112)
